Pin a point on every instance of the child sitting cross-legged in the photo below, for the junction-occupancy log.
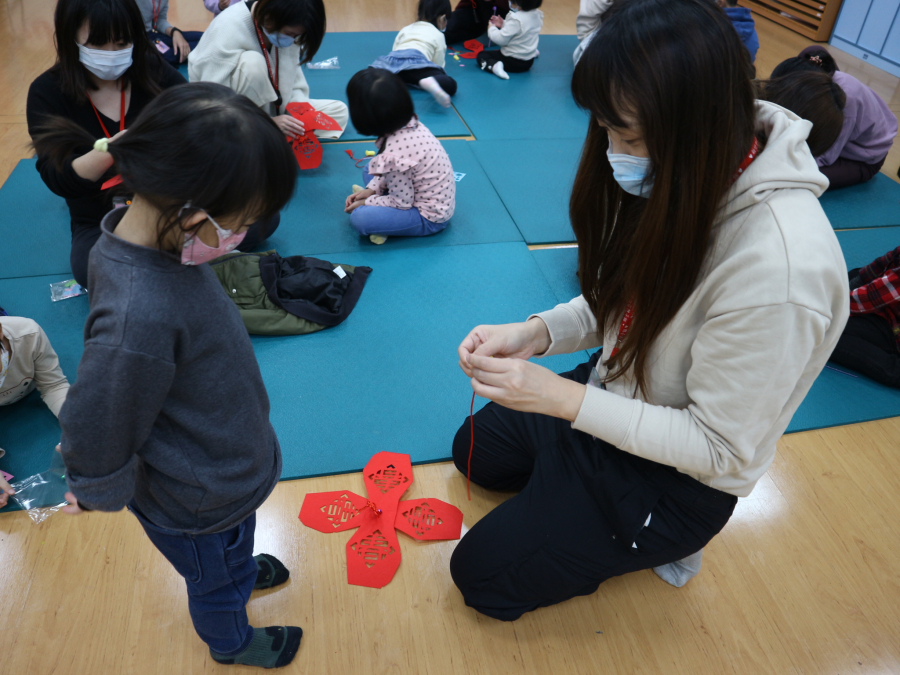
(410, 187)
(517, 36)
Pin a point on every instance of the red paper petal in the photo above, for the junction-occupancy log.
(388, 475)
(112, 182)
(473, 45)
(373, 554)
(429, 519)
(308, 151)
(333, 511)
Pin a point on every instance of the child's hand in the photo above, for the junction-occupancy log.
(497, 21)
(72, 509)
(290, 126)
(7, 491)
(357, 199)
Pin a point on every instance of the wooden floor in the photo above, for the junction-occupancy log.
(804, 579)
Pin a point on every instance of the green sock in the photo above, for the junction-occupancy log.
(271, 571)
(271, 647)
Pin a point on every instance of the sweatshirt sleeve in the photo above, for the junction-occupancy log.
(48, 376)
(401, 192)
(212, 6)
(572, 326)
(501, 36)
(748, 361)
(847, 134)
(162, 21)
(300, 90)
(108, 416)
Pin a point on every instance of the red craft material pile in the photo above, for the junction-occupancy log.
(373, 553)
(307, 148)
(474, 46)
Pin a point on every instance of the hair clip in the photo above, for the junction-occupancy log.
(816, 59)
(101, 145)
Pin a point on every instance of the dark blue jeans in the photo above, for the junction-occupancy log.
(220, 573)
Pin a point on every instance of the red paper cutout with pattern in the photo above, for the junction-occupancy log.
(307, 148)
(474, 46)
(373, 553)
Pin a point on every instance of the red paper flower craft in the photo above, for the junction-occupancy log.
(373, 553)
(307, 148)
(474, 46)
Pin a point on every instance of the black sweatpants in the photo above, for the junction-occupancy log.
(579, 517)
(413, 75)
(488, 57)
(869, 347)
(85, 236)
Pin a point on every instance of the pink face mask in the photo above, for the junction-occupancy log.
(195, 252)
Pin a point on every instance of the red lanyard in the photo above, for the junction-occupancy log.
(121, 114)
(625, 326)
(156, 8)
(273, 78)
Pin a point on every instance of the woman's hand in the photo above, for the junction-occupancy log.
(7, 491)
(357, 199)
(527, 387)
(72, 507)
(180, 45)
(224, 4)
(290, 126)
(510, 340)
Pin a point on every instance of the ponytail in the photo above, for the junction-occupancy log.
(59, 138)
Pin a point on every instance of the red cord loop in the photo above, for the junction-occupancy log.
(372, 506)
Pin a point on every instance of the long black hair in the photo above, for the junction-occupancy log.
(814, 96)
(200, 143)
(679, 70)
(276, 14)
(109, 21)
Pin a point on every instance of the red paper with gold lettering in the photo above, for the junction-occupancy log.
(373, 553)
(307, 148)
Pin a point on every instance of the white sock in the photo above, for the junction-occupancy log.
(681, 571)
(431, 85)
(500, 71)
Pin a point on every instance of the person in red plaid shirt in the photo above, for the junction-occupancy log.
(870, 344)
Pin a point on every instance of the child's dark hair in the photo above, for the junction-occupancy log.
(200, 143)
(109, 21)
(814, 96)
(816, 59)
(379, 102)
(528, 5)
(276, 14)
(432, 10)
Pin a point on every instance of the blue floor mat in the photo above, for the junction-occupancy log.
(314, 222)
(837, 397)
(872, 204)
(535, 183)
(385, 379)
(528, 106)
(862, 247)
(32, 219)
(357, 51)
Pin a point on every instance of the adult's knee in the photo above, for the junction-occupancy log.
(468, 573)
(461, 444)
(251, 78)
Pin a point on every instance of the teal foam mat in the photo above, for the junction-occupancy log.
(385, 379)
(356, 51)
(862, 247)
(314, 221)
(534, 179)
(529, 106)
(872, 204)
(34, 226)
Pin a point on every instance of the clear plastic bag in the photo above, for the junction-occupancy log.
(327, 64)
(43, 494)
(62, 290)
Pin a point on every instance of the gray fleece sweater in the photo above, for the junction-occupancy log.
(169, 407)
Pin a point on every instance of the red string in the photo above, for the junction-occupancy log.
(372, 506)
(471, 445)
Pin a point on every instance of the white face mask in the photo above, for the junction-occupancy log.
(105, 64)
(279, 39)
(631, 172)
(4, 364)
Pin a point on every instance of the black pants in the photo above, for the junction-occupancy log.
(85, 236)
(192, 37)
(487, 58)
(869, 347)
(846, 172)
(412, 77)
(469, 23)
(582, 506)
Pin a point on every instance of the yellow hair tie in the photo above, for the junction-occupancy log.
(101, 145)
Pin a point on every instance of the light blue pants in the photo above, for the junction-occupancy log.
(392, 222)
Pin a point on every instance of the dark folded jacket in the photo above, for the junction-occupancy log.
(289, 296)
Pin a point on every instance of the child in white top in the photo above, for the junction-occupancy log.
(410, 185)
(420, 50)
(517, 36)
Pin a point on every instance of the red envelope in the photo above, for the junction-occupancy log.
(373, 553)
(307, 148)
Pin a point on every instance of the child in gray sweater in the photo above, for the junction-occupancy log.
(169, 415)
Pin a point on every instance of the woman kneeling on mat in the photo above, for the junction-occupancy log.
(716, 293)
(258, 49)
(410, 186)
(106, 72)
